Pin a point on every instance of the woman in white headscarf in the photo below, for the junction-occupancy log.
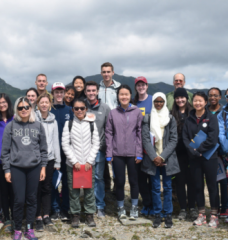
(159, 135)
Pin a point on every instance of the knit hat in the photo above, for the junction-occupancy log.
(180, 92)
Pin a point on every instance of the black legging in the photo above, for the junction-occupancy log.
(182, 178)
(119, 169)
(200, 167)
(6, 194)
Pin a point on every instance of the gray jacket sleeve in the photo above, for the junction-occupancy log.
(56, 146)
(172, 141)
(43, 147)
(6, 146)
(150, 150)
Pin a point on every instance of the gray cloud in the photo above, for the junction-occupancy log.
(151, 38)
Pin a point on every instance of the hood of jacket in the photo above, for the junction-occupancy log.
(90, 117)
(115, 84)
(50, 117)
(130, 108)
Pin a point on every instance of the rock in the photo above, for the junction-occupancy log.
(139, 221)
(125, 236)
(52, 228)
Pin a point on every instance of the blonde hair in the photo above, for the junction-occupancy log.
(32, 117)
(43, 96)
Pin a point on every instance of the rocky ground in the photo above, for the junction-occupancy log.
(110, 228)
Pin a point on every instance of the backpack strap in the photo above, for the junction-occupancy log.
(224, 118)
(70, 125)
(91, 129)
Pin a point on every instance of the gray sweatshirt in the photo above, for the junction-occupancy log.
(52, 137)
(24, 145)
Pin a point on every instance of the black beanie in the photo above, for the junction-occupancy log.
(180, 92)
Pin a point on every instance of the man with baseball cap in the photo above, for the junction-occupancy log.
(62, 114)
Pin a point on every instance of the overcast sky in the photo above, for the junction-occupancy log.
(155, 39)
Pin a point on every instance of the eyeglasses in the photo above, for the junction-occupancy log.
(81, 108)
(159, 101)
(211, 96)
(24, 107)
(226, 96)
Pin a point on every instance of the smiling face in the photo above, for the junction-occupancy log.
(58, 95)
(3, 105)
(199, 103)
(107, 73)
(79, 110)
(32, 97)
(69, 96)
(124, 97)
(159, 103)
(141, 88)
(178, 81)
(24, 113)
(181, 101)
(214, 97)
(44, 105)
(79, 85)
(91, 93)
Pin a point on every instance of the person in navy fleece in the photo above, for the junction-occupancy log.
(6, 191)
(62, 114)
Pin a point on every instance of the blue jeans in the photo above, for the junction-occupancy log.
(167, 192)
(55, 201)
(99, 187)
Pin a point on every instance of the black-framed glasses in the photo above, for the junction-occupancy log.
(211, 96)
(23, 107)
(79, 108)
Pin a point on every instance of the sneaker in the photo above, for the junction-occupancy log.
(7, 226)
(157, 221)
(168, 221)
(224, 213)
(39, 225)
(64, 216)
(182, 215)
(75, 221)
(134, 214)
(55, 216)
(89, 220)
(100, 213)
(213, 222)
(121, 213)
(200, 220)
(47, 221)
(145, 211)
(30, 235)
(17, 235)
(193, 214)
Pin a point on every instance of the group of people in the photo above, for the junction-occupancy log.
(93, 125)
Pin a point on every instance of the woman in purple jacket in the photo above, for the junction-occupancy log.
(124, 147)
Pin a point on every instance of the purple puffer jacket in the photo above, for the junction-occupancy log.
(123, 132)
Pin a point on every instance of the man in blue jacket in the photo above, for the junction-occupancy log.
(62, 114)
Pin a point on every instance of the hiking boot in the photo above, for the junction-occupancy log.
(7, 226)
(168, 221)
(224, 213)
(100, 213)
(47, 221)
(134, 214)
(75, 220)
(39, 225)
(200, 220)
(182, 215)
(64, 216)
(89, 220)
(121, 213)
(29, 234)
(213, 222)
(145, 211)
(193, 214)
(17, 235)
(55, 216)
(157, 221)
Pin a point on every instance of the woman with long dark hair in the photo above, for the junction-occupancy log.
(180, 111)
(6, 191)
(200, 118)
(79, 85)
(69, 96)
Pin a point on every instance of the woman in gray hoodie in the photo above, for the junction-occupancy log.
(49, 123)
(24, 159)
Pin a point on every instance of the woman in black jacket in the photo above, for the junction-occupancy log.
(180, 110)
(201, 119)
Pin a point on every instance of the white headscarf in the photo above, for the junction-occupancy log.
(159, 118)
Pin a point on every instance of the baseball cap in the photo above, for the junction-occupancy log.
(141, 79)
(58, 85)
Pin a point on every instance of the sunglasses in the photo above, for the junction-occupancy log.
(77, 108)
(24, 107)
(226, 96)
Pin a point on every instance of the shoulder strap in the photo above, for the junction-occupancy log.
(91, 129)
(70, 125)
(224, 118)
